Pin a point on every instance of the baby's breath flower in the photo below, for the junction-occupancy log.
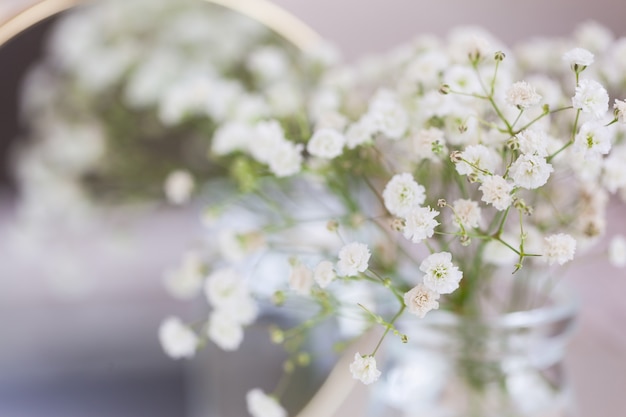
(467, 213)
(178, 186)
(530, 171)
(476, 159)
(360, 132)
(177, 340)
(620, 110)
(326, 143)
(353, 258)
(441, 274)
(224, 288)
(186, 281)
(268, 135)
(262, 405)
(420, 300)
(533, 142)
(324, 273)
(592, 140)
(388, 115)
(286, 159)
(559, 248)
(522, 95)
(402, 193)
(591, 98)
(224, 331)
(617, 251)
(578, 58)
(429, 144)
(364, 369)
(301, 278)
(420, 224)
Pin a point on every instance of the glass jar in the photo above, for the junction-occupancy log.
(510, 365)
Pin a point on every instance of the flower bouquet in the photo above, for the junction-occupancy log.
(449, 176)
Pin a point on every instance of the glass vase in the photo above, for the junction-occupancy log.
(510, 365)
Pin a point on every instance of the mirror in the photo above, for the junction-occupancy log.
(107, 102)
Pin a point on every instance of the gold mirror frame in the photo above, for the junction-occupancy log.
(270, 15)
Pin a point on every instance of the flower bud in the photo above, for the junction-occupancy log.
(442, 202)
(444, 89)
(456, 157)
(499, 56)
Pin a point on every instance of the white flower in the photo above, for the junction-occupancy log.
(178, 187)
(262, 405)
(592, 140)
(326, 143)
(353, 258)
(614, 176)
(420, 300)
(497, 192)
(267, 137)
(476, 159)
(591, 98)
(186, 281)
(286, 159)
(224, 288)
(426, 141)
(530, 171)
(522, 95)
(441, 275)
(231, 137)
(234, 246)
(224, 331)
(402, 193)
(177, 340)
(388, 115)
(559, 248)
(364, 369)
(269, 63)
(620, 110)
(324, 273)
(420, 224)
(578, 57)
(301, 278)
(533, 142)
(467, 213)
(617, 251)
(360, 132)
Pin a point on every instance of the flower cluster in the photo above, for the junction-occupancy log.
(420, 177)
(405, 183)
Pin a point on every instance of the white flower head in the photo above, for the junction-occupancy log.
(231, 137)
(326, 143)
(178, 187)
(186, 281)
(578, 57)
(530, 171)
(522, 95)
(420, 300)
(225, 287)
(442, 275)
(429, 144)
(476, 160)
(324, 273)
(591, 97)
(178, 341)
(388, 115)
(620, 110)
(301, 278)
(269, 63)
(533, 142)
(559, 248)
(267, 137)
(360, 132)
(592, 140)
(617, 251)
(467, 213)
(364, 368)
(497, 192)
(224, 331)
(353, 258)
(286, 159)
(402, 193)
(262, 405)
(420, 223)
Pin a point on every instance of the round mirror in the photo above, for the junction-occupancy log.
(108, 111)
